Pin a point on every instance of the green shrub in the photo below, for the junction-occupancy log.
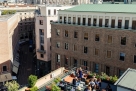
(6, 12)
(32, 80)
(12, 86)
(56, 80)
(54, 87)
(34, 88)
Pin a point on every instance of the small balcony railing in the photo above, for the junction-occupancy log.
(41, 51)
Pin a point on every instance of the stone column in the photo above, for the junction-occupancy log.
(81, 20)
(86, 21)
(72, 19)
(103, 21)
(123, 23)
(92, 21)
(76, 20)
(66, 19)
(97, 21)
(109, 22)
(116, 22)
(62, 18)
(130, 23)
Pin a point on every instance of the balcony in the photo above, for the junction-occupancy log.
(41, 51)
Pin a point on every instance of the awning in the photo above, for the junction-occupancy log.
(15, 69)
(15, 63)
(5, 77)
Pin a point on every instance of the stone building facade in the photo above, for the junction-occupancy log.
(96, 41)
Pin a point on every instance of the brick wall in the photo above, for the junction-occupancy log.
(115, 47)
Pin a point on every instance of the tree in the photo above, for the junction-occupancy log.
(54, 87)
(34, 88)
(12, 86)
(32, 80)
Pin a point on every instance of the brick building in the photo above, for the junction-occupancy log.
(8, 43)
(100, 38)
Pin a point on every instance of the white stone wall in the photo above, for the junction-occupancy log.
(92, 15)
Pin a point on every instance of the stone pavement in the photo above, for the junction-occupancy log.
(26, 65)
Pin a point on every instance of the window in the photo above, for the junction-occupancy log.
(4, 68)
(75, 34)
(75, 47)
(42, 40)
(84, 21)
(75, 63)
(107, 70)
(100, 22)
(86, 36)
(64, 19)
(69, 20)
(120, 72)
(49, 12)
(133, 24)
(60, 19)
(89, 21)
(119, 23)
(42, 47)
(109, 39)
(85, 49)
(58, 44)
(85, 65)
(94, 22)
(126, 24)
(78, 20)
(74, 20)
(54, 11)
(66, 60)
(108, 54)
(66, 46)
(41, 22)
(113, 23)
(123, 40)
(97, 37)
(41, 31)
(58, 32)
(106, 22)
(134, 58)
(58, 58)
(66, 33)
(96, 52)
(42, 56)
(96, 68)
(122, 56)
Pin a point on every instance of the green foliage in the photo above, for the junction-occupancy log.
(54, 87)
(32, 80)
(12, 86)
(34, 88)
(6, 12)
(114, 79)
(56, 80)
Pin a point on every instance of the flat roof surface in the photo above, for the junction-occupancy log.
(5, 17)
(128, 79)
(109, 8)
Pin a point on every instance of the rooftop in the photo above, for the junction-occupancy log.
(127, 80)
(5, 17)
(107, 8)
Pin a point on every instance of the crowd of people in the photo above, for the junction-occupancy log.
(82, 81)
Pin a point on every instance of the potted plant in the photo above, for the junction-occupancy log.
(31, 82)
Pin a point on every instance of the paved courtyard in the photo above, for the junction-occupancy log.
(26, 64)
